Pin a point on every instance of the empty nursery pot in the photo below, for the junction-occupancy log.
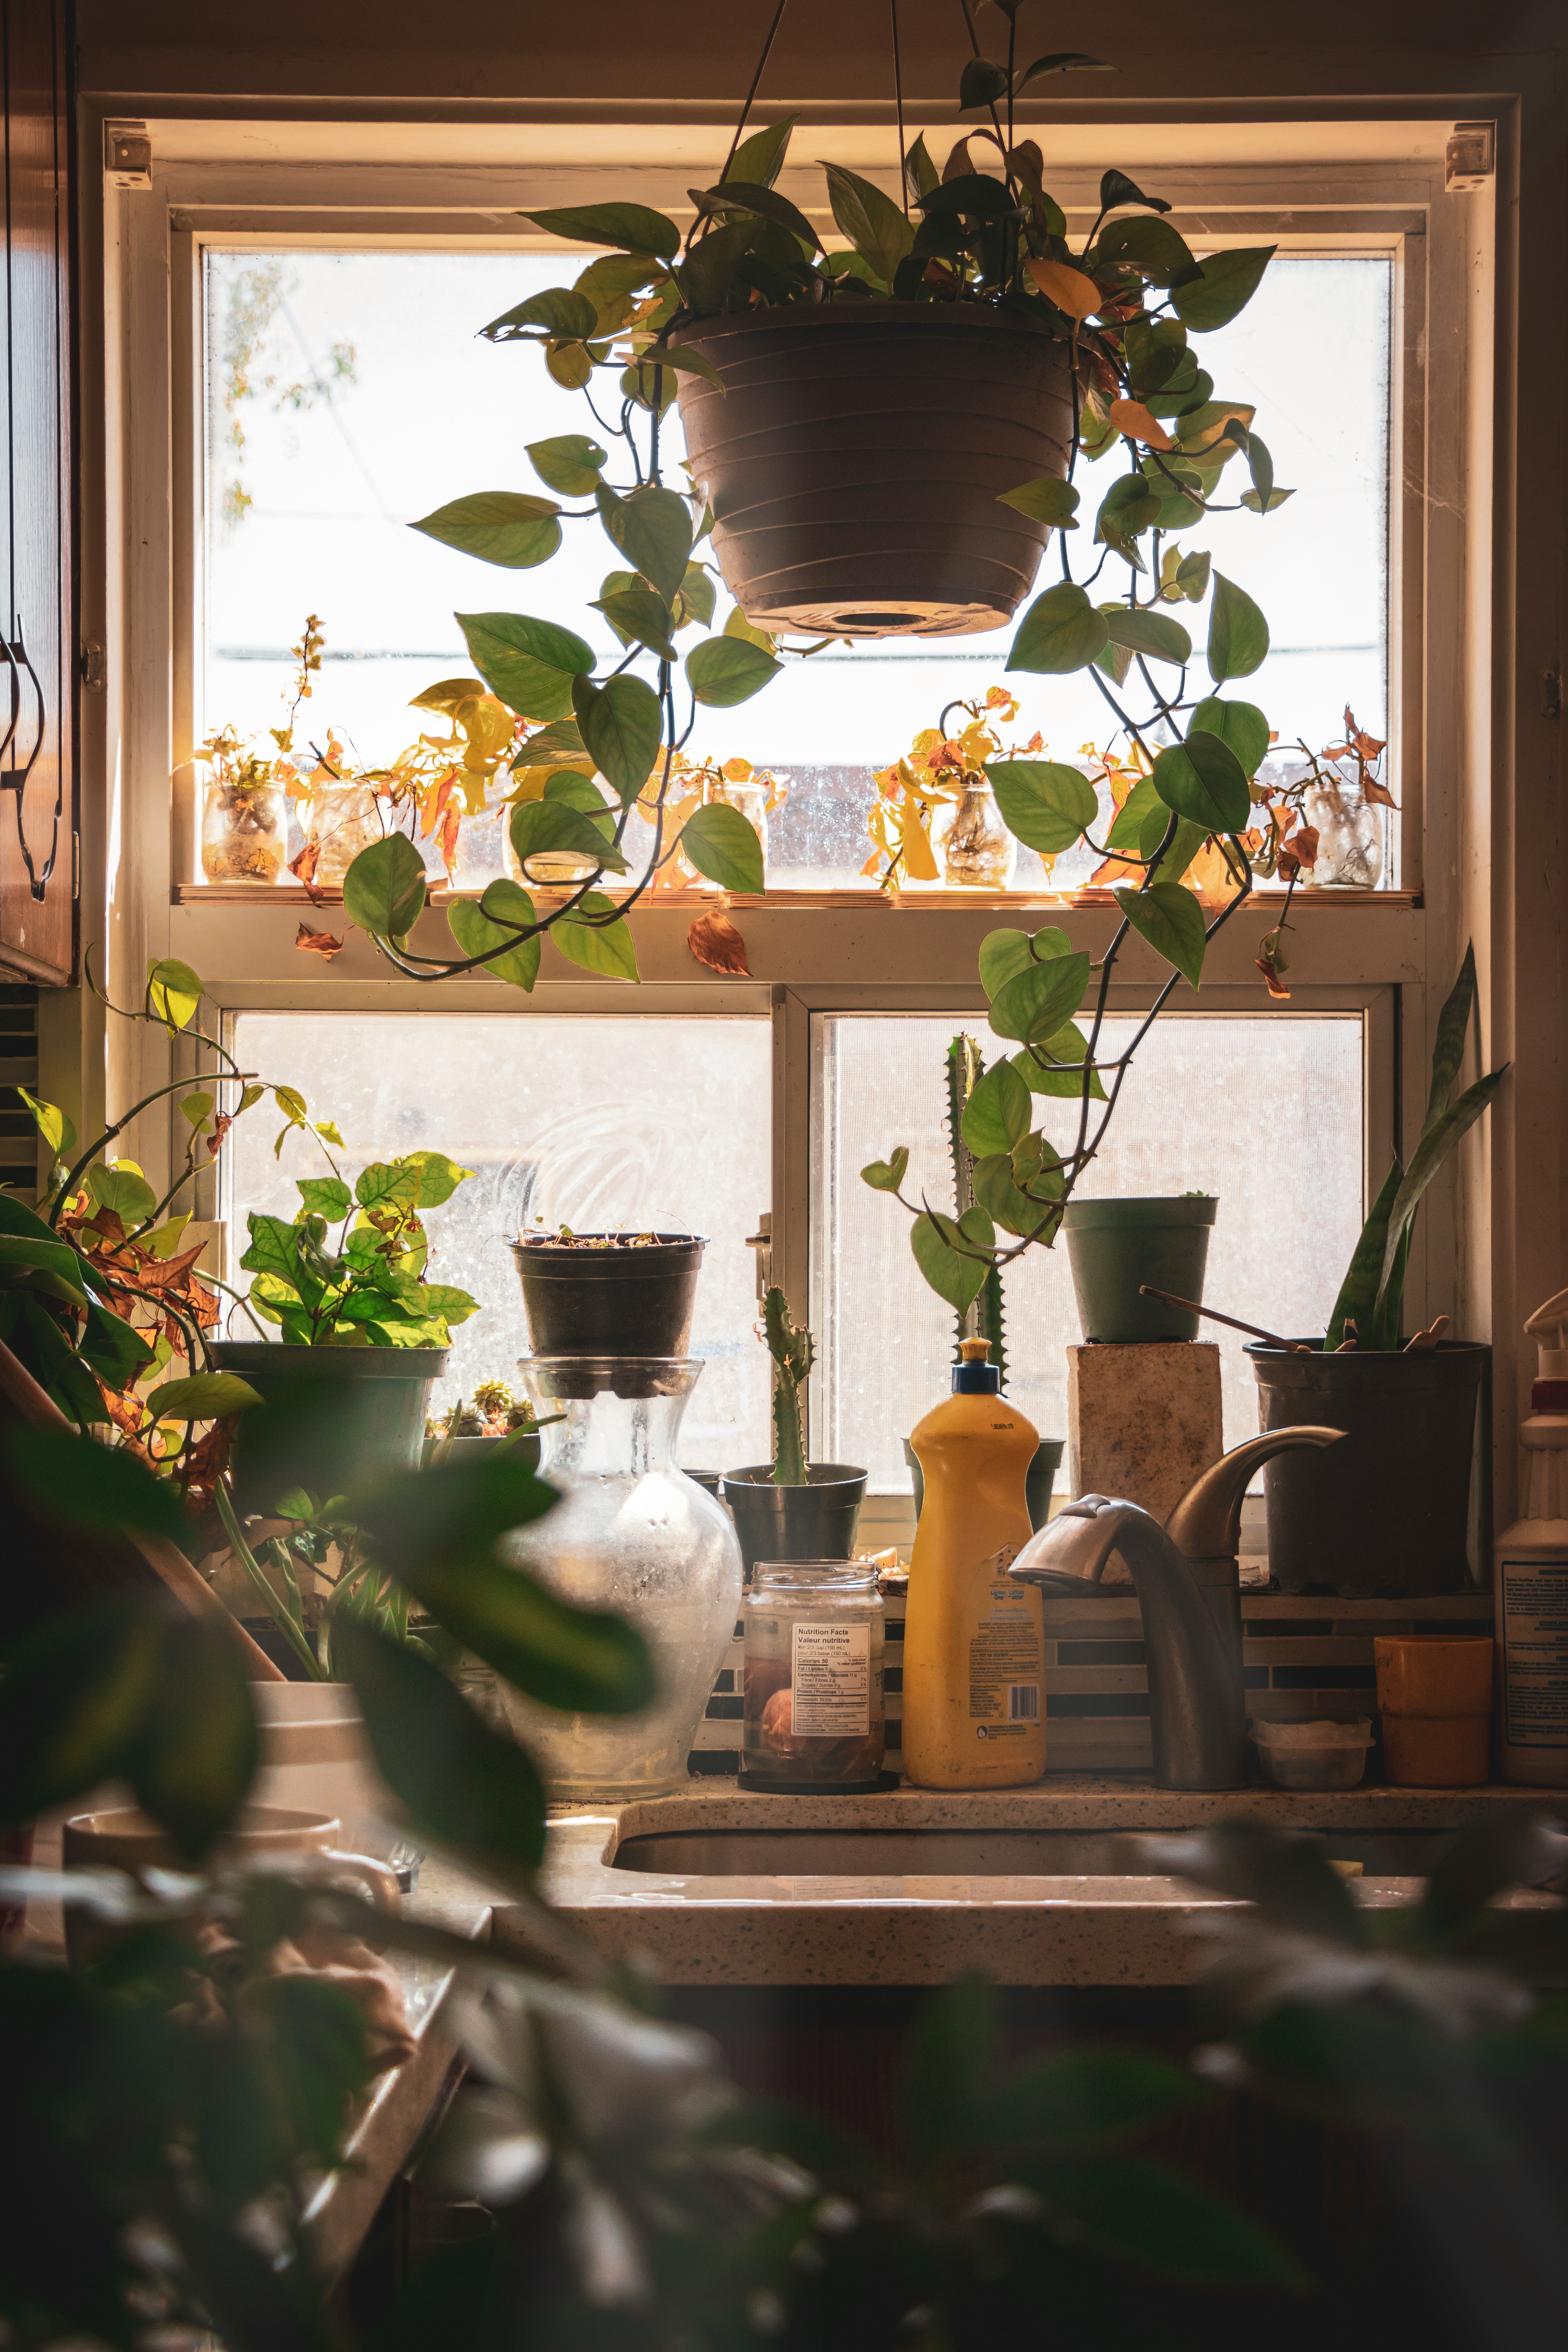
(815, 1521)
(1388, 1510)
(1116, 1247)
(601, 1295)
(857, 457)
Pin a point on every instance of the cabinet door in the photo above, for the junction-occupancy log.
(38, 678)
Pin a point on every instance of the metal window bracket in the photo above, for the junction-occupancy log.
(127, 155)
(1470, 159)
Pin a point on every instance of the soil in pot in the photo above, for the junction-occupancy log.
(609, 1294)
(856, 458)
(815, 1521)
(328, 1418)
(1390, 1509)
(1116, 1247)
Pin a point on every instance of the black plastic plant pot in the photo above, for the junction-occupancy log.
(1392, 1509)
(1040, 1479)
(522, 1447)
(625, 1299)
(815, 1521)
(329, 1417)
(1116, 1247)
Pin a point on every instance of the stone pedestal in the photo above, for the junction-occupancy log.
(1142, 1422)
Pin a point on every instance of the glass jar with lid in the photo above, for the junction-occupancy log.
(813, 1718)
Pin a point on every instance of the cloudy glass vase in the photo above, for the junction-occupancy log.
(632, 1533)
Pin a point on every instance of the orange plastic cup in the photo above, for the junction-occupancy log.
(1435, 1696)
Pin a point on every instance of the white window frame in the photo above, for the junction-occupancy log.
(1396, 950)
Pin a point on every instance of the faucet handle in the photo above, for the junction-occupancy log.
(1206, 1522)
(1072, 1548)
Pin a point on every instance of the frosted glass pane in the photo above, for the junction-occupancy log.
(586, 1119)
(324, 439)
(1266, 1113)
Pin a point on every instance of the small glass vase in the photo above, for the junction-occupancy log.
(975, 849)
(244, 833)
(343, 820)
(632, 1533)
(1349, 837)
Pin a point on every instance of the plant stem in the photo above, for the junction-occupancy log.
(293, 1632)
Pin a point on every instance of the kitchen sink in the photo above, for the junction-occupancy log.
(972, 1854)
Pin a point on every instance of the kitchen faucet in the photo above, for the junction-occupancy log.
(1188, 1584)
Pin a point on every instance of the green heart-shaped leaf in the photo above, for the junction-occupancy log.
(997, 1111)
(953, 1275)
(505, 526)
(1202, 779)
(724, 670)
(384, 888)
(1238, 634)
(719, 843)
(1171, 919)
(1060, 631)
(1035, 1003)
(1044, 804)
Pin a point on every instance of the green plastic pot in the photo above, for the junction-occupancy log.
(329, 1417)
(1040, 1479)
(1116, 1247)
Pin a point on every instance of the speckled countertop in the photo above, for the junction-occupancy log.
(804, 1930)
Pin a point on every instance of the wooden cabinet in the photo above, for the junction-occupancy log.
(38, 631)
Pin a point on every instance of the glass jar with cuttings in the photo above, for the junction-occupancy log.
(343, 819)
(976, 850)
(245, 831)
(814, 1715)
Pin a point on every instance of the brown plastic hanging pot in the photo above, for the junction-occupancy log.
(857, 457)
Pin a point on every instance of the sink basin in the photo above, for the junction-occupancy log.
(969, 1853)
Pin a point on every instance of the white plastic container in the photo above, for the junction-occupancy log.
(1314, 1754)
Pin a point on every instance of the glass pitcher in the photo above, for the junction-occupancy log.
(632, 1533)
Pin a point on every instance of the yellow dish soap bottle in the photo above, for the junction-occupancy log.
(974, 1708)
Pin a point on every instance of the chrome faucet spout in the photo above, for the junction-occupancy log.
(1185, 1577)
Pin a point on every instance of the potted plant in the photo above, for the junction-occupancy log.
(791, 1508)
(608, 1294)
(490, 1418)
(1395, 1514)
(364, 1333)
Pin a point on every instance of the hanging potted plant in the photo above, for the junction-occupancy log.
(1395, 1514)
(791, 1508)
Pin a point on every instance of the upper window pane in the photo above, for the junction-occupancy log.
(348, 391)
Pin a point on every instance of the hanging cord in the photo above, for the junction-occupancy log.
(750, 94)
(899, 102)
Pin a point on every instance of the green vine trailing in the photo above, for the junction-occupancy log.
(1128, 302)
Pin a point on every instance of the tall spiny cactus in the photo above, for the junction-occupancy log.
(983, 1320)
(792, 1354)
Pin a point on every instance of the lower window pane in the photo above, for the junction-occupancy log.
(583, 1119)
(1266, 1112)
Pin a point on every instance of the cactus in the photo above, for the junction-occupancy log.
(983, 1320)
(792, 1356)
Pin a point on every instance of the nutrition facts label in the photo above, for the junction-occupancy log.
(830, 1675)
(1536, 1652)
(1005, 1666)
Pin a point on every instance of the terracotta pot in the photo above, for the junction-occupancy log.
(857, 457)
(1435, 1696)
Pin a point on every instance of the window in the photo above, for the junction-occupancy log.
(314, 317)
(587, 1120)
(1265, 1113)
(348, 392)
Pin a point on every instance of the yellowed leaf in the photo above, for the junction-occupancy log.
(1208, 434)
(919, 864)
(319, 943)
(1131, 417)
(1069, 289)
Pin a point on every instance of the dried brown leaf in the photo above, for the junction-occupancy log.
(319, 943)
(714, 941)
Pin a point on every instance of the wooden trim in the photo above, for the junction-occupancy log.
(923, 902)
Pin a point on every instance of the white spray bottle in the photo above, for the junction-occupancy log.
(1531, 1574)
